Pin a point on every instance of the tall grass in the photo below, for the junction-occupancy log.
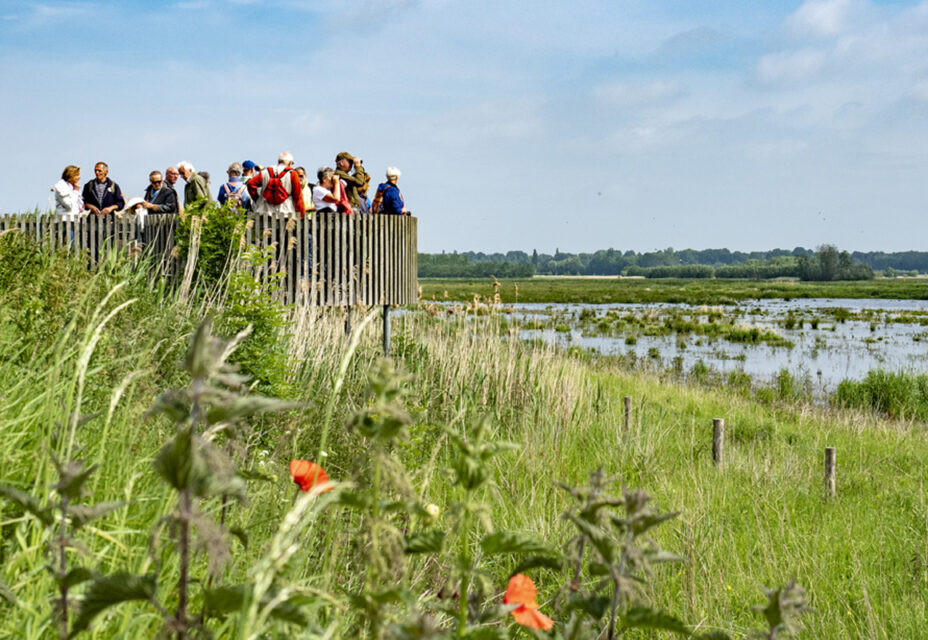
(759, 520)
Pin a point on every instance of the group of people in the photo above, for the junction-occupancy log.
(282, 190)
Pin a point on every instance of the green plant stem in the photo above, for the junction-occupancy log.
(339, 382)
(184, 551)
(62, 571)
(464, 564)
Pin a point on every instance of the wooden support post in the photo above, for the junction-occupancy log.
(718, 441)
(386, 330)
(628, 413)
(830, 488)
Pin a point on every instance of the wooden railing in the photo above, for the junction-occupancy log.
(323, 259)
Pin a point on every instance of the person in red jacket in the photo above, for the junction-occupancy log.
(277, 191)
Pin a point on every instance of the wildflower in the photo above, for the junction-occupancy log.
(521, 591)
(433, 510)
(309, 476)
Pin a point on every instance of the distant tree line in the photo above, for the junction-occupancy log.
(824, 263)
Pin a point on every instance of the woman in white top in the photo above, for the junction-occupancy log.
(328, 193)
(68, 201)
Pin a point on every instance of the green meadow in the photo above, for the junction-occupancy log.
(445, 463)
(607, 290)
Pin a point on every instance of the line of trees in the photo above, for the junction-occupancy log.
(824, 263)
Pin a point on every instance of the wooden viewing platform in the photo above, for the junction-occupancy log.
(355, 259)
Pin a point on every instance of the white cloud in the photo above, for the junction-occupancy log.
(823, 18)
(625, 95)
(65, 10)
(791, 66)
(505, 121)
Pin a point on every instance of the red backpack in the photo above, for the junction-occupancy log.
(275, 192)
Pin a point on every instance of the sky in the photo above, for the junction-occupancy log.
(519, 125)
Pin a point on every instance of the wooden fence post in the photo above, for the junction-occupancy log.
(386, 330)
(830, 487)
(718, 441)
(628, 413)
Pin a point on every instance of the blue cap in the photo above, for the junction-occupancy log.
(248, 165)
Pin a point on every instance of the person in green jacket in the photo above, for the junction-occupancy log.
(356, 183)
(196, 188)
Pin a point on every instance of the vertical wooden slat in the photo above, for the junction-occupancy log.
(282, 252)
(313, 257)
(333, 253)
(352, 260)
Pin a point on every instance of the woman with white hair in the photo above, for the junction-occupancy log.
(389, 200)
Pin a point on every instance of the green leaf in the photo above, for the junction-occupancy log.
(189, 462)
(647, 618)
(535, 562)
(251, 474)
(431, 541)
(74, 577)
(594, 606)
(714, 635)
(81, 514)
(247, 406)
(591, 511)
(642, 523)
(241, 534)
(177, 461)
(222, 600)
(202, 353)
(597, 536)
(353, 500)
(72, 477)
(29, 503)
(107, 591)
(175, 404)
(510, 542)
(6, 593)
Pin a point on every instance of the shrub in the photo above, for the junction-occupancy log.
(220, 230)
(263, 354)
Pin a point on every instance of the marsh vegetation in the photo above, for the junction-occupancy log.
(468, 459)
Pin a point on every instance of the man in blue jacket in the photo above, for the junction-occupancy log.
(102, 195)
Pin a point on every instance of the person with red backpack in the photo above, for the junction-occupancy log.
(277, 190)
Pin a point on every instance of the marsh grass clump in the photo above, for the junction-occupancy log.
(898, 394)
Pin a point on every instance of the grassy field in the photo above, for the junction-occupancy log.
(109, 343)
(619, 290)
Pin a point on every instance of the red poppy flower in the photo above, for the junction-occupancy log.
(309, 475)
(521, 591)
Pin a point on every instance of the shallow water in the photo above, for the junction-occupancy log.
(832, 352)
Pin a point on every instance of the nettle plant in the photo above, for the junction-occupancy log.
(61, 517)
(198, 469)
(611, 559)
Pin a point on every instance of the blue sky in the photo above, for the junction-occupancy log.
(630, 124)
